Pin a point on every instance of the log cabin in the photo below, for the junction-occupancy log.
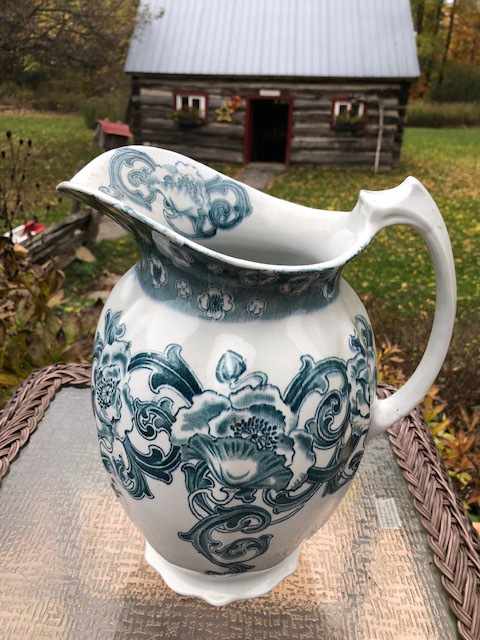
(292, 81)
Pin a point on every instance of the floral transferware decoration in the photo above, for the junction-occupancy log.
(248, 453)
(192, 205)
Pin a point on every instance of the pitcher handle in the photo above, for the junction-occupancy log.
(410, 203)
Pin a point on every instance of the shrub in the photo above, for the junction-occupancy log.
(15, 96)
(112, 106)
(461, 83)
(34, 329)
(51, 99)
(89, 114)
(441, 114)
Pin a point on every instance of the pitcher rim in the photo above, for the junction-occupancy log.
(69, 188)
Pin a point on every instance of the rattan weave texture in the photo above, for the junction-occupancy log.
(455, 546)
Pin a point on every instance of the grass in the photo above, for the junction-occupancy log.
(394, 275)
(112, 257)
(61, 145)
(422, 113)
(396, 268)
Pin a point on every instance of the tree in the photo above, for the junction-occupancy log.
(451, 25)
(420, 13)
(53, 35)
(435, 30)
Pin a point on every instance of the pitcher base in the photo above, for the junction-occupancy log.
(220, 590)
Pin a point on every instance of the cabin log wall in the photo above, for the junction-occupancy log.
(312, 138)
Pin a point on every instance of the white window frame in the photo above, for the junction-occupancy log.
(348, 103)
(202, 111)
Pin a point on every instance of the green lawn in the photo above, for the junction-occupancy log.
(61, 145)
(396, 267)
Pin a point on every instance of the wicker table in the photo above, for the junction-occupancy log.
(72, 567)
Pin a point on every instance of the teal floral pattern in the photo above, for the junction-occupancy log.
(215, 303)
(192, 205)
(256, 308)
(251, 455)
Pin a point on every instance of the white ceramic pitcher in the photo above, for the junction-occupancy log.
(234, 369)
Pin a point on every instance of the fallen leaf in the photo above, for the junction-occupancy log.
(84, 254)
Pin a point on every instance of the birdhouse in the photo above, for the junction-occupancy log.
(111, 135)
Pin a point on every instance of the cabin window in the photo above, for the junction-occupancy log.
(348, 114)
(191, 102)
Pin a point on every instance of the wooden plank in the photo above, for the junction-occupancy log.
(210, 153)
(347, 145)
(157, 91)
(312, 128)
(328, 157)
(169, 138)
(210, 129)
(324, 102)
(309, 117)
(156, 111)
(304, 115)
(163, 101)
(62, 238)
(324, 128)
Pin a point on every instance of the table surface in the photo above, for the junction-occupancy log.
(72, 566)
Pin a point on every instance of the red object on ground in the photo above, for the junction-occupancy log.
(33, 227)
(115, 128)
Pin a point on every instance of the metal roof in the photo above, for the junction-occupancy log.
(293, 38)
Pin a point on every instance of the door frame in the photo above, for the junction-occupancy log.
(248, 135)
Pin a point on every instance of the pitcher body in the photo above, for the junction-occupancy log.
(233, 395)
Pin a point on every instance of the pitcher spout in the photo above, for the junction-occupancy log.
(206, 237)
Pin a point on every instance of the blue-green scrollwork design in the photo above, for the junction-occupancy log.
(249, 454)
(192, 205)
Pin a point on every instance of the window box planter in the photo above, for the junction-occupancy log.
(188, 119)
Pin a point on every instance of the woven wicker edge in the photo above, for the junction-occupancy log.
(454, 543)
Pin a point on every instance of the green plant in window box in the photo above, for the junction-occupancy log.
(348, 122)
(188, 118)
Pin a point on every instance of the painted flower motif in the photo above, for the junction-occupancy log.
(215, 303)
(184, 290)
(256, 308)
(230, 367)
(158, 272)
(296, 285)
(250, 439)
(107, 392)
(110, 396)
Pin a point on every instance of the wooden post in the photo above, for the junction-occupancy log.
(379, 136)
